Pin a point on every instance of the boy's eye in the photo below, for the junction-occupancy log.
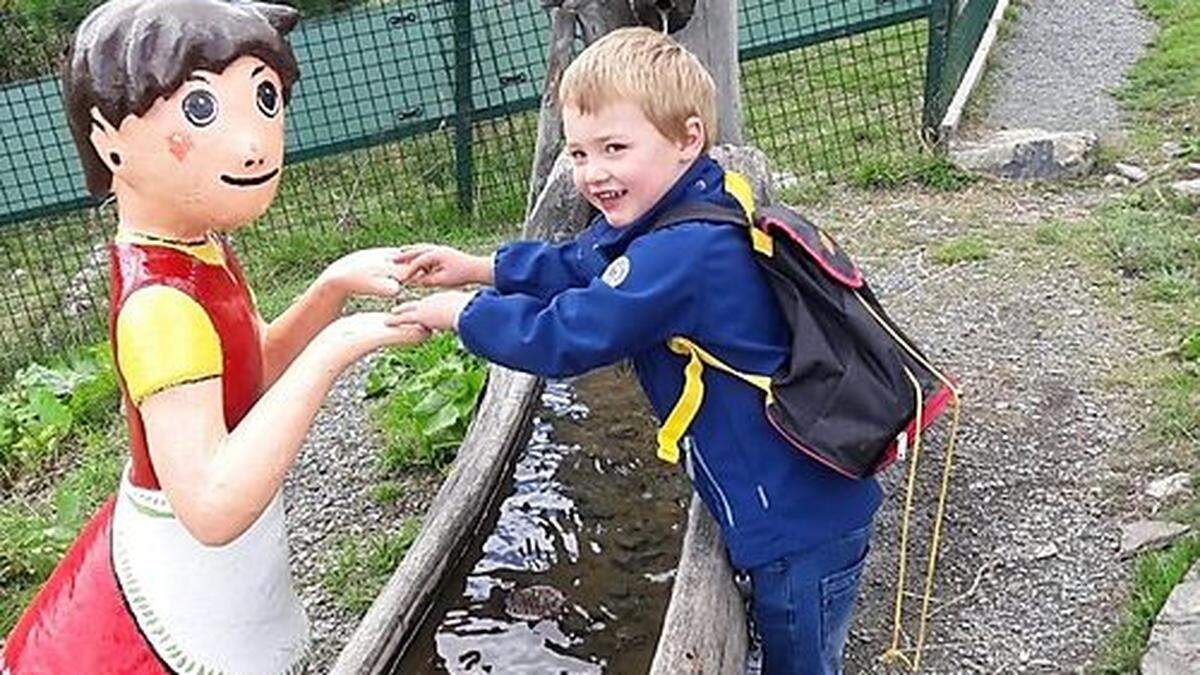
(268, 99)
(200, 107)
(577, 155)
(612, 148)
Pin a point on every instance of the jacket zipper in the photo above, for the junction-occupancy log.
(695, 450)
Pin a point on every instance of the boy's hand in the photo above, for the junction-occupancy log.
(372, 271)
(436, 312)
(443, 266)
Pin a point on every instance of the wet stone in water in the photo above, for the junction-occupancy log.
(535, 602)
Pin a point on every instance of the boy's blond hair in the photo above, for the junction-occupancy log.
(649, 69)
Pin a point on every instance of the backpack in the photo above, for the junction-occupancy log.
(856, 392)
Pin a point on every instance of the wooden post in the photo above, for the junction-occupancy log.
(711, 35)
(464, 106)
(595, 18)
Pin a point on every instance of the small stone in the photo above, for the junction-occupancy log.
(1194, 167)
(1043, 551)
(785, 179)
(1169, 486)
(1113, 180)
(1148, 535)
(1189, 189)
(1173, 149)
(1134, 173)
(535, 602)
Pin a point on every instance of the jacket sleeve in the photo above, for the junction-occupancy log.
(540, 269)
(648, 295)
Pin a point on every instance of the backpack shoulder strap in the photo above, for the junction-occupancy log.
(688, 405)
(706, 211)
(714, 213)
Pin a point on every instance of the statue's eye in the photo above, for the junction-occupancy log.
(200, 107)
(268, 99)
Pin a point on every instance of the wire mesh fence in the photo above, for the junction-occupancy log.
(415, 114)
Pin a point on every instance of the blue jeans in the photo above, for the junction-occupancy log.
(802, 604)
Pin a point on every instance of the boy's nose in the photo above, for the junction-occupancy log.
(597, 174)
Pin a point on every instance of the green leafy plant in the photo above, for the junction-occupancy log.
(427, 396)
(44, 404)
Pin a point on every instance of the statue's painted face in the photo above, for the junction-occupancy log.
(207, 157)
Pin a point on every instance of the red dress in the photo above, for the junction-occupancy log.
(80, 621)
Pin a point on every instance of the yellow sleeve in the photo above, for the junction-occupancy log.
(164, 339)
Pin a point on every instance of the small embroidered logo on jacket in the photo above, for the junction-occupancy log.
(616, 272)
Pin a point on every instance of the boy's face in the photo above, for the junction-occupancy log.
(207, 157)
(622, 164)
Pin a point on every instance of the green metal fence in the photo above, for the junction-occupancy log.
(424, 111)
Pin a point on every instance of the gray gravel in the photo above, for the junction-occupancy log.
(328, 497)
(1060, 62)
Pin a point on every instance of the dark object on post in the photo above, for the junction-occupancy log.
(651, 13)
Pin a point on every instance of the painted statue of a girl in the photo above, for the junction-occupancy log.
(176, 107)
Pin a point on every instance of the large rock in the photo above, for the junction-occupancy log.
(1174, 646)
(753, 164)
(1028, 154)
(1149, 535)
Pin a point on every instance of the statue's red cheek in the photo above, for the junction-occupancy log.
(179, 145)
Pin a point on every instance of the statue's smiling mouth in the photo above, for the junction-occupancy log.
(249, 181)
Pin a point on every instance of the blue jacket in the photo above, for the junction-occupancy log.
(561, 310)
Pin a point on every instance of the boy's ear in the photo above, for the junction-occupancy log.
(106, 140)
(693, 140)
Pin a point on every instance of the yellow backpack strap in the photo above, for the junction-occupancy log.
(738, 187)
(688, 405)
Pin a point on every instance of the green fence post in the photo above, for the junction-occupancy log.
(940, 12)
(463, 106)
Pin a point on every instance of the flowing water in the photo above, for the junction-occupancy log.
(573, 571)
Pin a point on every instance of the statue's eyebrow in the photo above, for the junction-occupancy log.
(196, 76)
(258, 70)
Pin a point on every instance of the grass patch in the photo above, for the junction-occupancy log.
(35, 535)
(360, 566)
(1051, 234)
(1143, 243)
(427, 397)
(1156, 576)
(1162, 90)
(1158, 250)
(387, 492)
(962, 249)
(824, 108)
(891, 171)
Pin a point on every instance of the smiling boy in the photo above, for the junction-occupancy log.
(637, 111)
(176, 108)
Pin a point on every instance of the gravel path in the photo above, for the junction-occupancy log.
(328, 497)
(1062, 58)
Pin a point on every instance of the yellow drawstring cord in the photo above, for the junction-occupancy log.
(895, 653)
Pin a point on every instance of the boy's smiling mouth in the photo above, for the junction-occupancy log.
(608, 197)
(249, 181)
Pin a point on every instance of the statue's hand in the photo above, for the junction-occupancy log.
(373, 271)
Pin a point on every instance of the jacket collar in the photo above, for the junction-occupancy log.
(704, 180)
